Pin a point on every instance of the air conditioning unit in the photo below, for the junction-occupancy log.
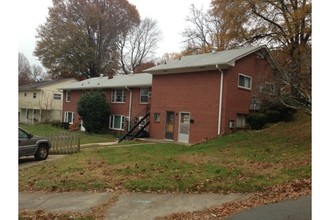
(232, 124)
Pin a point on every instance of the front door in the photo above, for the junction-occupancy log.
(169, 126)
(184, 127)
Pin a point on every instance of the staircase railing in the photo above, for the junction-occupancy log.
(131, 133)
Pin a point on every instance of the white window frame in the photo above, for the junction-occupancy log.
(112, 122)
(157, 117)
(144, 92)
(245, 86)
(68, 96)
(67, 119)
(114, 96)
(57, 96)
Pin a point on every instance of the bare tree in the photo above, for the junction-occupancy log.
(37, 73)
(46, 105)
(138, 45)
(24, 70)
(205, 32)
(284, 26)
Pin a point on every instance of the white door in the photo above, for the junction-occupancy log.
(184, 126)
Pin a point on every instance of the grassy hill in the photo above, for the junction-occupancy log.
(245, 161)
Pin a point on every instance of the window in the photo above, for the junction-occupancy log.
(144, 95)
(34, 95)
(157, 117)
(68, 96)
(25, 94)
(244, 81)
(117, 122)
(118, 95)
(69, 117)
(57, 96)
(241, 121)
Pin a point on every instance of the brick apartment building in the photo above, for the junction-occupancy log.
(199, 97)
(127, 95)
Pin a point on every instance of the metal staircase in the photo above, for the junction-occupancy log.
(137, 128)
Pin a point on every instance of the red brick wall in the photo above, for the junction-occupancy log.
(237, 100)
(138, 109)
(197, 93)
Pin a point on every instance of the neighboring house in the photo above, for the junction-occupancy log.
(127, 95)
(199, 97)
(41, 101)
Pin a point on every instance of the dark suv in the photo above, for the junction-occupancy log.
(30, 145)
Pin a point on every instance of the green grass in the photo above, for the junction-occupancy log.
(245, 161)
(48, 130)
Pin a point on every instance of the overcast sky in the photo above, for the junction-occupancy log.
(170, 14)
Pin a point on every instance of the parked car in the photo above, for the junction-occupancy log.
(30, 145)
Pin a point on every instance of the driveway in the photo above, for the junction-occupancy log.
(24, 162)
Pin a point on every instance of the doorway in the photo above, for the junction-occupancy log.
(169, 126)
(184, 127)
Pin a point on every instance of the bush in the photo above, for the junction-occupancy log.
(272, 112)
(257, 120)
(283, 113)
(94, 111)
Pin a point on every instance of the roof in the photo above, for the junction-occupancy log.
(120, 81)
(208, 61)
(39, 85)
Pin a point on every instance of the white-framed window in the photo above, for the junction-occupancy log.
(69, 117)
(157, 117)
(144, 95)
(68, 96)
(118, 95)
(244, 81)
(117, 122)
(34, 95)
(57, 96)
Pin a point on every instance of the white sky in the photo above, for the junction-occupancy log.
(170, 15)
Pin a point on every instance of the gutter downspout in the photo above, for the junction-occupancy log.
(220, 98)
(129, 108)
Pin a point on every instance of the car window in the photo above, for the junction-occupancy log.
(22, 134)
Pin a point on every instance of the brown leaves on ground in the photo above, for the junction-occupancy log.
(273, 194)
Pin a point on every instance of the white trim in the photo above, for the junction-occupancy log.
(111, 122)
(66, 117)
(129, 107)
(114, 96)
(67, 95)
(246, 76)
(220, 99)
(147, 95)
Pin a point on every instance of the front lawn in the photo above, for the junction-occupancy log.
(48, 130)
(246, 161)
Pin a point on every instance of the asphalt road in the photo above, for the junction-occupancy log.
(293, 209)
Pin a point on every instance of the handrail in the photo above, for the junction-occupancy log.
(135, 126)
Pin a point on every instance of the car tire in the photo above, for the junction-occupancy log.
(42, 152)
